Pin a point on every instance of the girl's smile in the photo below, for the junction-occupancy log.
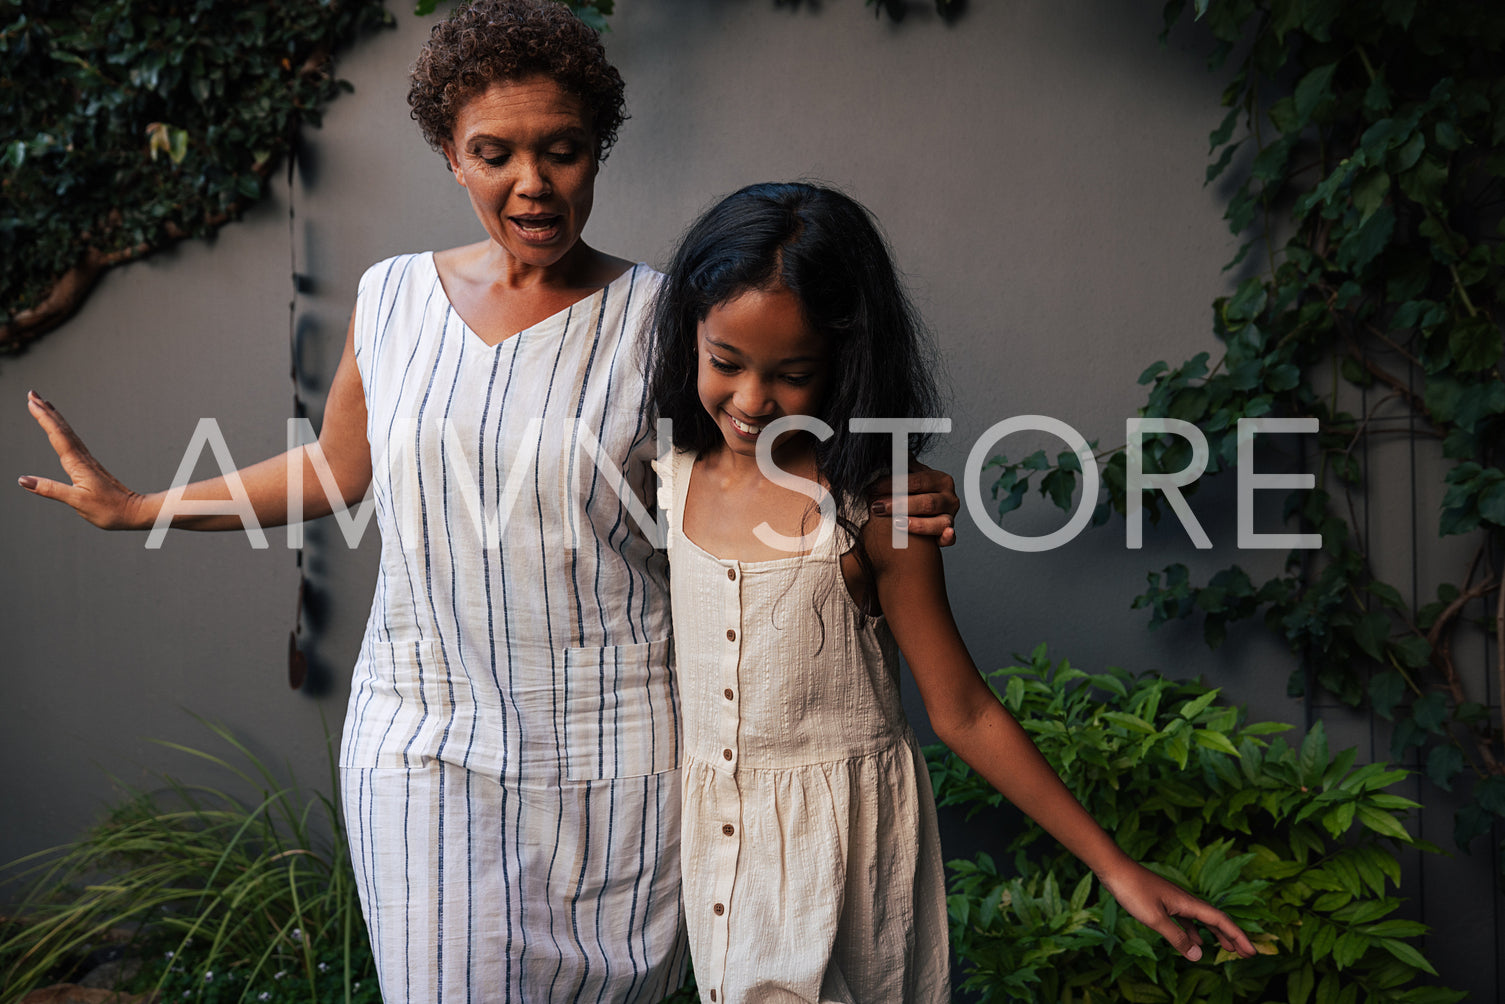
(759, 360)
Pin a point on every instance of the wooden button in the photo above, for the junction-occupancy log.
(719, 909)
(713, 997)
(728, 829)
(726, 754)
(731, 635)
(731, 573)
(728, 693)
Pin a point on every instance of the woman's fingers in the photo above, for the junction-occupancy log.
(93, 492)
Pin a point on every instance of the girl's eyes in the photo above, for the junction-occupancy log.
(792, 379)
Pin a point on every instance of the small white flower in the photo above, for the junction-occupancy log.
(323, 967)
(264, 996)
(169, 955)
(279, 974)
(209, 976)
(297, 934)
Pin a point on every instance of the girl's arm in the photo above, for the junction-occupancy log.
(970, 720)
(98, 497)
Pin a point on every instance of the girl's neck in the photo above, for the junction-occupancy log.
(797, 457)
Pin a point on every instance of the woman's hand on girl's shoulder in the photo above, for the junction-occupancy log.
(931, 502)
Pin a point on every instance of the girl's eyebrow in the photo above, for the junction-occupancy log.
(733, 350)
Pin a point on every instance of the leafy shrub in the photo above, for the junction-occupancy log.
(1296, 844)
(225, 894)
(231, 900)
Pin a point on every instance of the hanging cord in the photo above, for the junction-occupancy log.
(297, 662)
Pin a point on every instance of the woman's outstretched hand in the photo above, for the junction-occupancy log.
(92, 491)
(1163, 906)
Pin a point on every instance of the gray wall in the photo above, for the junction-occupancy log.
(1038, 167)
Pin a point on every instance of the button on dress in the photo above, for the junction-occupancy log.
(508, 764)
(809, 845)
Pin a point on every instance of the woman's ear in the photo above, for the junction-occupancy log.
(454, 162)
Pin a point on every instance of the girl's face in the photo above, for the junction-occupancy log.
(759, 360)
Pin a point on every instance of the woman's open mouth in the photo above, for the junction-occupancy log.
(540, 227)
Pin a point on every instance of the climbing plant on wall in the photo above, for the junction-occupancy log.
(127, 125)
(1371, 145)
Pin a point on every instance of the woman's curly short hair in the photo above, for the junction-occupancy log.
(488, 41)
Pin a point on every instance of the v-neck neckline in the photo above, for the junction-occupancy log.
(555, 319)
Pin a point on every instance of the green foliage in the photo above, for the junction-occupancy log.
(1371, 137)
(129, 124)
(1293, 842)
(227, 899)
(241, 889)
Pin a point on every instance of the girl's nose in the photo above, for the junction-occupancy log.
(752, 398)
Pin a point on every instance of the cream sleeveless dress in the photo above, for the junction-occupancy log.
(508, 765)
(809, 846)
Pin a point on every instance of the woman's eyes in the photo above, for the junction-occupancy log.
(559, 155)
(798, 379)
(722, 367)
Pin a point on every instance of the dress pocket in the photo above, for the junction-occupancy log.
(621, 713)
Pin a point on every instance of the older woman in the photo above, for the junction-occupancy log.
(511, 737)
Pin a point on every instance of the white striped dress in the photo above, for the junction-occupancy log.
(508, 763)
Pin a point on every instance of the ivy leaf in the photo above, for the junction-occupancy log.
(1475, 344)
(1444, 763)
(1491, 504)
(1313, 89)
(1060, 486)
(1385, 692)
(1430, 711)
(1361, 246)
(1371, 631)
(1369, 193)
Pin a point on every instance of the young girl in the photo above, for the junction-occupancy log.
(812, 867)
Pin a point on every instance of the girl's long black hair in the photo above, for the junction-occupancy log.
(825, 248)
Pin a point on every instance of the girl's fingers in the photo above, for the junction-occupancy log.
(1230, 936)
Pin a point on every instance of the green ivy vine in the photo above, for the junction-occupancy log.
(127, 125)
(1374, 139)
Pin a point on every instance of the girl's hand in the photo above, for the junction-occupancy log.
(93, 492)
(1158, 904)
(932, 502)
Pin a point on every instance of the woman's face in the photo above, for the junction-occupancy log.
(525, 152)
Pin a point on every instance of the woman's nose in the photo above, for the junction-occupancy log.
(533, 182)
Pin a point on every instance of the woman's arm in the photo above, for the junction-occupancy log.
(968, 718)
(100, 498)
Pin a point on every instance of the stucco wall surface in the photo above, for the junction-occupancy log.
(1038, 168)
